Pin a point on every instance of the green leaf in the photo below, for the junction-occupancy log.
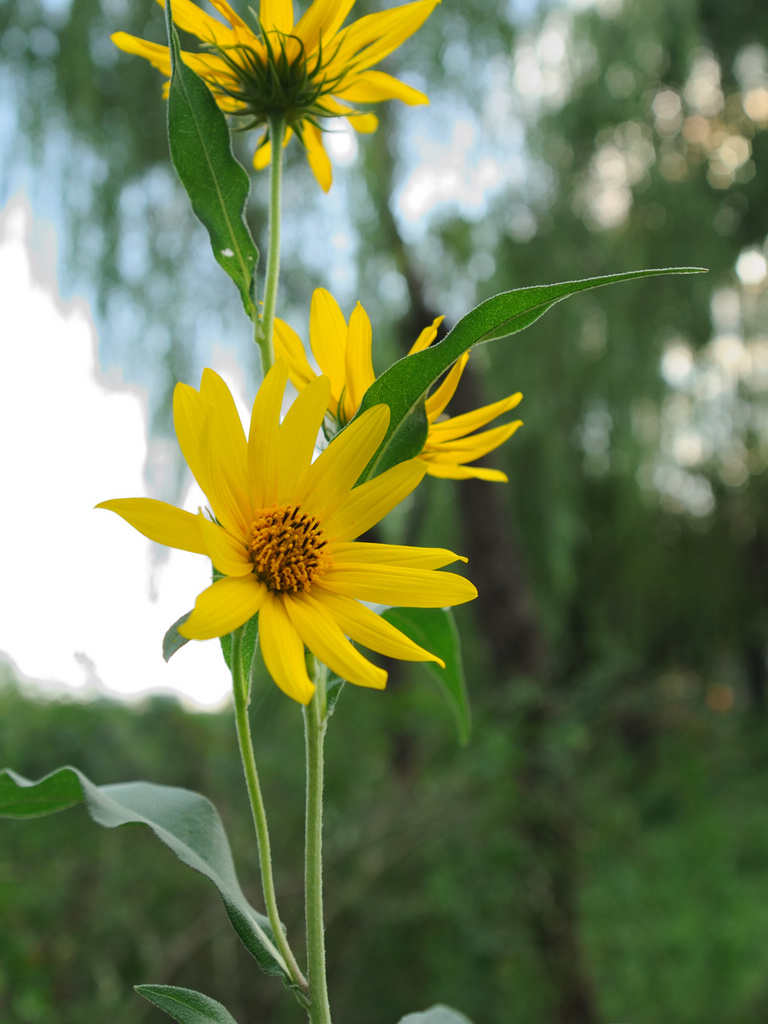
(186, 822)
(216, 183)
(404, 386)
(250, 644)
(173, 640)
(435, 630)
(185, 1005)
(436, 1015)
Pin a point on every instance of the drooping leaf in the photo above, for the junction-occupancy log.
(173, 640)
(404, 386)
(436, 1015)
(185, 1005)
(186, 822)
(216, 183)
(435, 630)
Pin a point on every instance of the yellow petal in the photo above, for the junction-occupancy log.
(371, 501)
(442, 395)
(288, 346)
(334, 473)
(377, 35)
(446, 472)
(375, 86)
(358, 365)
(189, 411)
(427, 336)
(321, 21)
(263, 155)
(320, 632)
(224, 606)
(316, 155)
(161, 522)
(298, 436)
(369, 629)
(363, 123)
(328, 338)
(227, 441)
(467, 449)
(283, 651)
(262, 438)
(460, 426)
(228, 554)
(231, 15)
(394, 585)
(189, 17)
(394, 554)
(276, 15)
(158, 56)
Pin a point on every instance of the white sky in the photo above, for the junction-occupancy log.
(75, 603)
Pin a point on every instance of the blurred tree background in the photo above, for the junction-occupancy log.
(600, 850)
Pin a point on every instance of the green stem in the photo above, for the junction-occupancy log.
(314, 731)
(241, 692)
(264, 324)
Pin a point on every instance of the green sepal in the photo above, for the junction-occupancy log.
(217, 185)
(173, 640)
(333, 689)
(405, 385)
(250, 645)
(186, 822)
(436, 1015)
(185, 1005)
(435, 630)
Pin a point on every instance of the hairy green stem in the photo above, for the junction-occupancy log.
(241, 693)
(264, 324)
(314, 731)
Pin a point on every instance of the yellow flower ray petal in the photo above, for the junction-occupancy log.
(276, 15)
(298, 433)
(358, 364)
(441, 396)
(188, 415)
(321, 633)
(226, 605)
(262, 437)
(367, 504)
(328, 338)
(376, 86)
(375, 36)
(230, 468)
(228, 505)
(189, 17)
(394, 554)
(318, 159)
(160, 522)
(396, 585)
(372, 631)
(448, 472)
(366, 124)
(288, 346)
(233, 18)
(427, 336)
(158, 56)
(228, 554)
(459, 426)
(283, 651)
(467, 449)
(334, 473)
(322, 20)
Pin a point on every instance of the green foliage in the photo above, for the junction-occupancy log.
(435, 630)
(186, 822)
(216, 183)
(185, 1005)
(404, 386)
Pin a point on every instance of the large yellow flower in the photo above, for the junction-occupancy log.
(343, 353)
(307, 71)
(281, 530)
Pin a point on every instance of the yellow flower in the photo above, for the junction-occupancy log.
(306, 71)
(343, 353)
(281, 530)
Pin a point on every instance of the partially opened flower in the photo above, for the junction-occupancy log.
(305, 72)
(281, 530)
(343, 353)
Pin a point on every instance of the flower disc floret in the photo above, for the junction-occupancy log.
(281, 532)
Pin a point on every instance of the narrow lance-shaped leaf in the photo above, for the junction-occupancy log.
(185, 1005)
(435, 629)
(186, 822)
(404, 386)
(216, 183)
